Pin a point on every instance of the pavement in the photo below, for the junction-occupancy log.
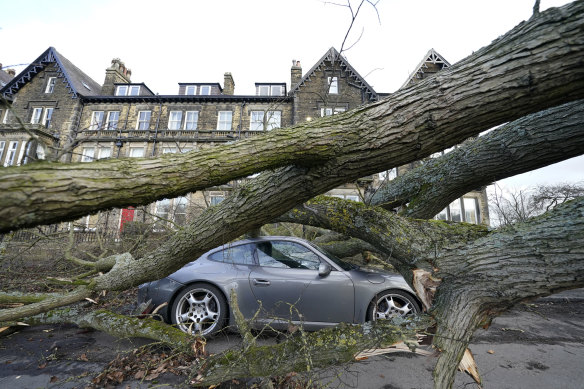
(537, 345)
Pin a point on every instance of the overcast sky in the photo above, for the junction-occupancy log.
(165, 43)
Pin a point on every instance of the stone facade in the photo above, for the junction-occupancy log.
(121, 119)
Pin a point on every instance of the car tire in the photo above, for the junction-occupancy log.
(392, 303)
(200, 309)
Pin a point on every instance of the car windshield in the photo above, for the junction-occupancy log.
(342, 264)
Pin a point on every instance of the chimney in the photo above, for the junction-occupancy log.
(116, 73)
(295, 73)
(228, 84)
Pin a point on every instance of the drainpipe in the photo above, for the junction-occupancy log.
(240, 120)
(156, 129)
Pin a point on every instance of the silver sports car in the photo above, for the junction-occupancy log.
(278, 280)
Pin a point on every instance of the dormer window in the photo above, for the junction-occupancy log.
(122, 90)
(134, 90)
(128, 90)
(205, 90)
(270, 89)
(51, 85)
(191, 90)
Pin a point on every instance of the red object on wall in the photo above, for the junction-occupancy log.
(127, 216)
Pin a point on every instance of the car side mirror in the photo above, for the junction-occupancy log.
(324, 269)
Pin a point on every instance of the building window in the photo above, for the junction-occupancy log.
(128, 90)
(143, 120)
(191, 120)
(134, 90)
(191, 90)
(113, 117)
(104, 152)
(2, 146)
(36, 115)
(174, 120)
(333, 85)
(216, 199)
(263, 90)
(48, 117)
(256, 121)
(7, 117)
(121, 90)
(327, 111)
(470, 210)
(168, 150)
(205, 90)
(11, 154)
(162, 212)
(136, 152)
(51, 85)
(224, 121)
(96, 120)
(274, 120)
(180, 210)
(87, 154)
(455, 211)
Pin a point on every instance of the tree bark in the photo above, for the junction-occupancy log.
(535, 66)
(526, 144)
(306, 351)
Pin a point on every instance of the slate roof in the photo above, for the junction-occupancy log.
(4, 78)
(78, 82)
(333, 55)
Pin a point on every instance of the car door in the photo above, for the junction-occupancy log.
(288, 285)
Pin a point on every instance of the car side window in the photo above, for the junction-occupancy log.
(241, 255)
(286, 255)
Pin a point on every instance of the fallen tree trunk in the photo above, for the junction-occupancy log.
(474, 281)
(535, 66)
(304, 352)
(526, 144)
(117, 325)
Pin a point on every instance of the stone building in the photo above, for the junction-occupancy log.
(58, 111)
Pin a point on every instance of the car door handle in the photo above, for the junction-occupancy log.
(261, 282)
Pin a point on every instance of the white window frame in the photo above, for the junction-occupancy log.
(189, 122)
(279, 88)
(96, 120)
(102, 154)
(51, 82)
(264, 90)
(328, 111)
(5, 119)
(333, 85)
(134, 90)
(2, 147)
(256, 121)
(112, 124)
(47, 117)
(88, 154)
(134, 150)
(216, 199)
(37, 113)
(174, 120)
(142, 122)
(119, 89)
(274, 120)
(169, 150)
(224, 120)
(205, 90)
(192, 88)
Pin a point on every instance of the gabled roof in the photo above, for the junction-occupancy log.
(78, 82)
(431, 57)
(333, 55)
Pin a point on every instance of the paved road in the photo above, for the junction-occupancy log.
(535, 346)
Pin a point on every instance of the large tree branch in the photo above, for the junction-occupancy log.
(535, 66)
(526, 144)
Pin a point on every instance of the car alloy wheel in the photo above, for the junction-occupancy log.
(392, 303)
(199, 309)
